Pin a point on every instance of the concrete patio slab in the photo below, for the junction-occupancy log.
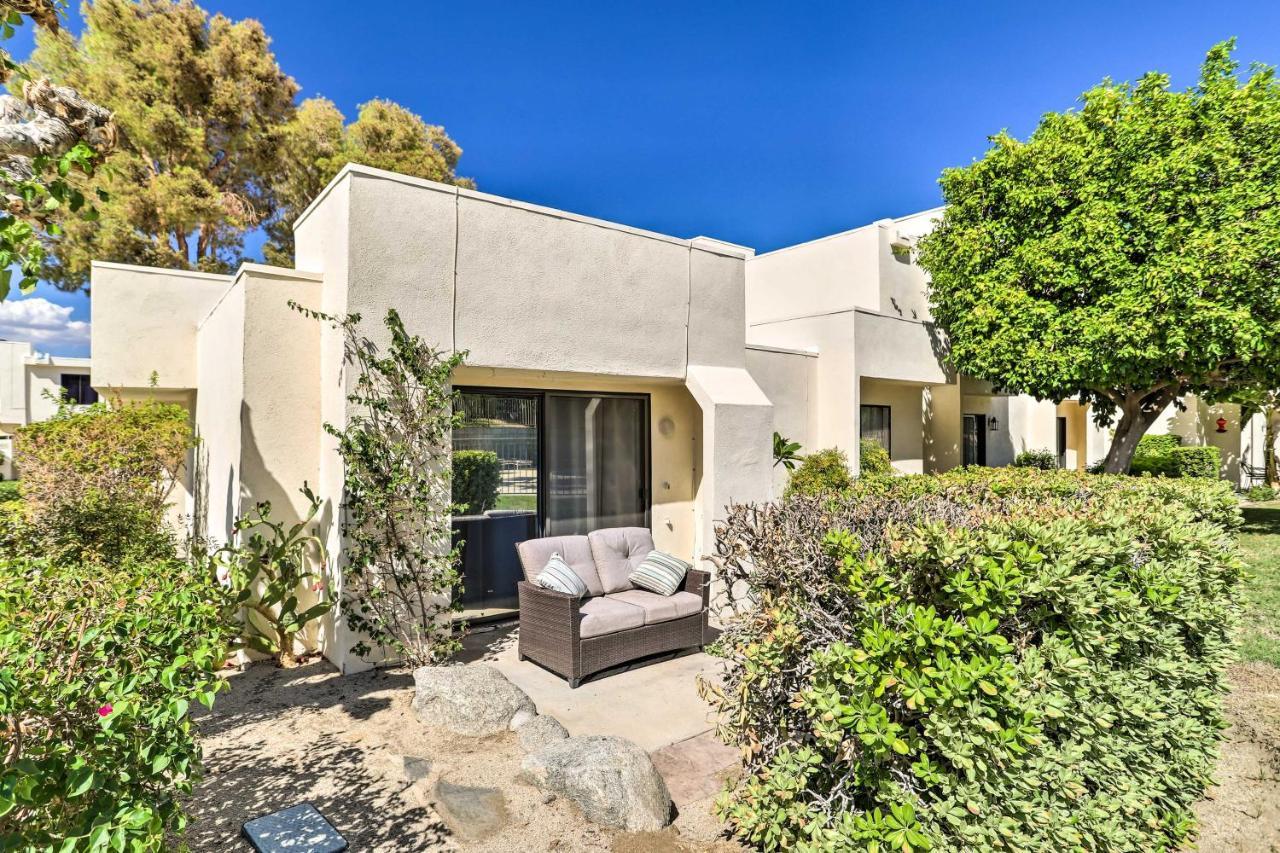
(695, 769)
(654, 703)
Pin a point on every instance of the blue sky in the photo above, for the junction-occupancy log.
(764, 124)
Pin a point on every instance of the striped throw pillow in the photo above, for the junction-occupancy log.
(556, 575)
(660, 573)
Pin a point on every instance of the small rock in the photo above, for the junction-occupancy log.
(610, 778)
(472, 813)
(539, 732)
(548, 798)
(474, 700)
(415, 768)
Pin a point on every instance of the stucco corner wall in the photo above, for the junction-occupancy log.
(144, 322)
(737, 453)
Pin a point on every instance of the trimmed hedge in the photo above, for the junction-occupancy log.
(822, 472)
(1166, 456)
(102, 663)
(10, 491)
(987, 659)
(1202, 462)
(476, 474)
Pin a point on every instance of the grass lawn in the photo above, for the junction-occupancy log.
(1260, 541)
(517, 502)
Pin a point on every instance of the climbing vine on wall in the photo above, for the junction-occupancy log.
(400, 574)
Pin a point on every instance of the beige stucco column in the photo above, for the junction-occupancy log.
(737, 454)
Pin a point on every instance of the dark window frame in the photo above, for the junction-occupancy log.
(80, 391)
(887, 411)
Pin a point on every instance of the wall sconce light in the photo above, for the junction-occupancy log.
(993, 423)
(1222, 424)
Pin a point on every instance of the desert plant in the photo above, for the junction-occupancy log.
(983, 660)
(873, 459)
(269, 574)
(99, 666)
(476, 474)
(1045, 460)
(401, 573)
(823, 472)
(785, 452)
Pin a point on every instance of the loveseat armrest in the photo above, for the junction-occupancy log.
(698, 582)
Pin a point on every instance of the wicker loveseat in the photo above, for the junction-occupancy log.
(615, 622)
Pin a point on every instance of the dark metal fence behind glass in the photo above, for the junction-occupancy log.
(506, 424)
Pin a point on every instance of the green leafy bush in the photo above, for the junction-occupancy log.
(1260, 494)
(96, 481)
(983, 660)
(1203, 462)
(10, 490)
(785, 452)
(1152, 455)
(99, 666)
(822, 472)
(873, 459)
(1045, 460)
(476, 474)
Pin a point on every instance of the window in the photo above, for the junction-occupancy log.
(76, 388)
(874, 424)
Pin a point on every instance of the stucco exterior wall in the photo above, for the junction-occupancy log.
(789, 379)
(44, 384)
(943, 428)
(215, 481)
(13, 384)
(836, 273)
(1196, 424)
(906, 421)
(132, 336)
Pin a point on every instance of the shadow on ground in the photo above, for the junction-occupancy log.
(283, 737)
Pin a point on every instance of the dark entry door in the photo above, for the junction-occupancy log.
(975, 439)
(1062, 442)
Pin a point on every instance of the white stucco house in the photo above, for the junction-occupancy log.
(31, 383)
(623, 377)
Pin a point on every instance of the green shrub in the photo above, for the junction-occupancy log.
(1152, 455)
(823, 472)
(873, 459)
(10, 491)
(987, 659)
(1045, 460)
(1260, 494)
(96, 481)
(101, 665)
(476, 474)
(1203, 462)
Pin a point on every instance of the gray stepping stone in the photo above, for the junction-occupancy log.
(297, 829)
(472, 813)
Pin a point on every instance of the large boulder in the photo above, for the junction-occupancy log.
(610, 778)
(539, 732)
(474, 700)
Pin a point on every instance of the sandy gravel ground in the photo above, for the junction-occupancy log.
(280, 737)
(1242, 812)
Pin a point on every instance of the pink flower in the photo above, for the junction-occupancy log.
(104, 710)
(317, 586)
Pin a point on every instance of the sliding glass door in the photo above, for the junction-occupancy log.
(560, 463)
(597, 463)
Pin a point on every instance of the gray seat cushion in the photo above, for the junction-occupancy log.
(575, 550)
(606, 615)
(617, 551)
(660, 608)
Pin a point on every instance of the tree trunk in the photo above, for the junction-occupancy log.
(1137, 414)
(1269, 445)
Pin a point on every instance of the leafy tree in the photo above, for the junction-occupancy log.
(317, 144)
(202, 104)
(1126, 253)
(46, 133)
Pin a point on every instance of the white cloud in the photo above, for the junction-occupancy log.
(41, 322)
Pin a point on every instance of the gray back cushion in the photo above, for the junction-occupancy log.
(617, 552)
(575, 550)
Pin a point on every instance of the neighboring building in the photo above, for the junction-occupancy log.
(623, 377)
(31, 383)
(856, 306)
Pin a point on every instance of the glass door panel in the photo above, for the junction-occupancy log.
(596, 463)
